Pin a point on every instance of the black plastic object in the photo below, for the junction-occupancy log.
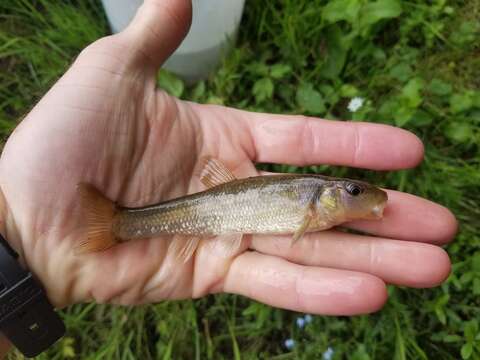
(27, 318)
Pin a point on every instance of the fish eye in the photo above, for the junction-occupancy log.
(353, 189)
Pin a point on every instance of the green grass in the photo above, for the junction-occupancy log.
(417, 64)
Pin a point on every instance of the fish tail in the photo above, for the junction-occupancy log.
(98, 212)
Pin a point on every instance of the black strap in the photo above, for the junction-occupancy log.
(27, 318)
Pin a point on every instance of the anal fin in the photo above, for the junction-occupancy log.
(183, 247)
(226, 245)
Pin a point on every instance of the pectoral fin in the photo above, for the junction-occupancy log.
(215, 173)
(298, 234)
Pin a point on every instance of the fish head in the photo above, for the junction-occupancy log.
(347, 199)
(360, 200)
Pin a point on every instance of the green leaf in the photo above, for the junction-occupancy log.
(471, 329)
(279, 71)
(452, 338)
(337, 47)
(287, 93)
(259, 68)
(422, 118)
(402, 115)
(411, 92)
(388, 106)
(170, 83)
(337, 10)
(198, 91)
(441, 315)
(466, 33)
(459, 132)
(263, 90)
(310, 99)
(167, 352)
(475, 259)
(360, 353)
(466, 277)
(476, 286)
(378, 54)
(401, 72)
(476, 99)
(467, 350)
(461, 102)
(439, 308)
(443, 300)
(326, 89)
(68, 349)
(474, 115)
(348, 91)
(215, 100)
(379, 10)
(330, 96)
(399, 353)
(439, 87)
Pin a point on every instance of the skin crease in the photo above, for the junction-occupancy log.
(104, 122)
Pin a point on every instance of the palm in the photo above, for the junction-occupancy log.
(104, 122)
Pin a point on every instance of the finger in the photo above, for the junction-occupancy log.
(394, 261)
(280, 283)
(158, 28)
(301, 140)
(410, 217)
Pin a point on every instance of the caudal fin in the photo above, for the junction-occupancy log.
(98, 213)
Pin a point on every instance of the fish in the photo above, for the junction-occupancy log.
(230, 208)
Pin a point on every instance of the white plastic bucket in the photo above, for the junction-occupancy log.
(214, 26)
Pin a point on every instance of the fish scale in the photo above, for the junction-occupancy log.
(260, 204)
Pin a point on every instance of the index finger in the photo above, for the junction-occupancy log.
(302, 140)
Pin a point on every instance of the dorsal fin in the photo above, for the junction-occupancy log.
(215, 173)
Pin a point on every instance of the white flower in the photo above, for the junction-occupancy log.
(328, 354)
(300, 322)
(289, 344)
(355, 104)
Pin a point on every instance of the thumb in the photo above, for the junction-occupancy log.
(157, 29)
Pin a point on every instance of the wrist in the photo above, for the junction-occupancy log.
(27, 318)
(5, 345)
(9, 230)
(44, 263)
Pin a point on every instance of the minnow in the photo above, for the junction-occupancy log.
(230, 207)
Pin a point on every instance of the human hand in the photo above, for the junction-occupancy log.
(104, 122)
